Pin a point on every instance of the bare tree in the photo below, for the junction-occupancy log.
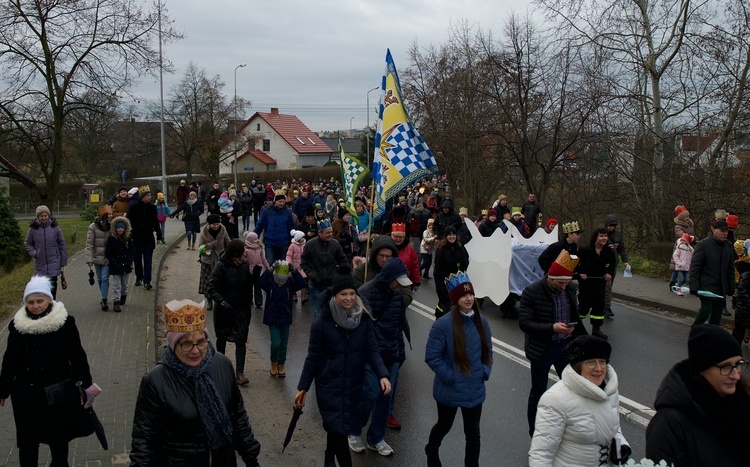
(52, 52)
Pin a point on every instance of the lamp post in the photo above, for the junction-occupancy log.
(350, 126)
(236, 149)
(368, 124)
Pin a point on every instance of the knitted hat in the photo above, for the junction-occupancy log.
(458, 285)
(551, 220)
(720, 224)
(733, 221)
(133, 191)
(342, 212)
(160, 196)
(250, 237)
(120, 224)
(144, 190)
(708, 345)
(213, 218)
(42, 209)
(586, 348)
(563, 266)
(342, 279)
(182, 317)
(515, 211)
(448, 230)
(106, 209)
(38, 284)
(679, 209)
(296, 235)
(491, 212)
(689, 239)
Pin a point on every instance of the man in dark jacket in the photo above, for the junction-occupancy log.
(212, 201)
(259, 198)
(572, 233)
(302, 204)
(532, 213)
(617, 243)
(445, 218)
(144, 224)
(276, 221)
(320, 258)
(712, 270)
(549, 319)
(383, 295)
(246, 204)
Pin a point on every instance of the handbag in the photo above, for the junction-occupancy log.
(63, 281)
(62, 393)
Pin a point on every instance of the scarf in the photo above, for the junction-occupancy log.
(34, 317)
(191, 201)
(214, 415)
(340, 317)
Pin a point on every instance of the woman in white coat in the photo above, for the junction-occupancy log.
(577, 422)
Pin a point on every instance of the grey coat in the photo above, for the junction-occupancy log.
(45, 243)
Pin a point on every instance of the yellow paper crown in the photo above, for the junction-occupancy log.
(144, 189)
(184, 316)
(516, 210)
(571, 227)
(567, 261)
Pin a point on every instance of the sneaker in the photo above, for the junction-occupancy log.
(598, 333)
(137, 283)
(679, 293)
(383, 448)
(122, 299)
(147, 286)
(355, 443)
(391, 422)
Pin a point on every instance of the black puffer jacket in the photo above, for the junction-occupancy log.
(712, 267)
(320, 259)
(537, 316)
(693, 426)
(234, 285)
(120, 252)
(549, 255)
(388, 311)
(167, 430)
(144, 224)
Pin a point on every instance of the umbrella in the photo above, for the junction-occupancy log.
(98, 428)
(292, 426)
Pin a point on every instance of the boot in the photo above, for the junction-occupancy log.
(274, 370)
(116, 306)
(597, 332)
(433, 458)
(330, 460)
(241, 378)
(304, 296)
(122, 299)
(281, 372)
(104, 304)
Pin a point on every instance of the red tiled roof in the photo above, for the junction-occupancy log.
(697, 143)
(260, 155)
(294, 132)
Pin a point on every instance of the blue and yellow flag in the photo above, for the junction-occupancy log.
(353, 171)
(401, 154)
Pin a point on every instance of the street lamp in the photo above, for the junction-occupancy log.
(350, 126)
(236, 149)
(368, 124)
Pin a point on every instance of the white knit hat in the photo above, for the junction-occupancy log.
(38, 284)
(297, 234)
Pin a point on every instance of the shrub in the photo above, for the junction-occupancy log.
(90, 213)
(11, 242)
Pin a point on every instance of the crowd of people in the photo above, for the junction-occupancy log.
(361, 277)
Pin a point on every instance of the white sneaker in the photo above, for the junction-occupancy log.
(383, 448)
(355, 443)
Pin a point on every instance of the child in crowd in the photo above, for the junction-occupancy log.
(682, 255)
(226, 206)
(256, 258)
(427, 249)
(120, 252)
(162, 211)
(294, 257)
(280, 283)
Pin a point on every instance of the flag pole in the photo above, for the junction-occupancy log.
(369, 226)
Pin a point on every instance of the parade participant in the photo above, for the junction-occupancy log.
(682, 256)
(450, 257)
(617, 243)
(246, 206)
(712, 270)
(446, 218)
(532, 213)
(189, 410)
(501, 206)
(342, 341)
(192, 209)
(44, 349)
(362, 220)
(459, 351)
(96, 246)
(330, 208)
(488, 226)
(742, 302)
(407, 254)
(683, 224)
(302, 204)
(549, 227)
(463, 231)
(212, 199)
(230, 288)
(703, 405)
(257, 263)
(259, 199)
(144, 225)
(294, 257)
(121, 204)
(46, 244)
(212, 242)
(120, 253)
(344, 232)
(181, 194)
(427, 249)
(162, 211)
(518, 221)
(320, 258)
(281, 282)
(578, 422)
(595, 270)
(309, 226)
(416, 221)
(569, 243)
(549, 318)
(382, 248)
(274, 224)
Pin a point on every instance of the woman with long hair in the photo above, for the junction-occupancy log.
(450, 257)
(459, 351)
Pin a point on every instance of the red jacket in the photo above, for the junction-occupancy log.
(411, 260)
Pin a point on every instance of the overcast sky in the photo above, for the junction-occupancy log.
(313, 58)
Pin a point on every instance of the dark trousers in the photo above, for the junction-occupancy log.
(53, 289)
(337, 447)
(608, 291)
(446, 414)
(710, 309)
(143, 259)
(28, 455)
(591, 300)
(240, 350)
(540, 376)
(739, 332)
(425, 263)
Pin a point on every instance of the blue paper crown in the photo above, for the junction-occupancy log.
(324, 224)
(456, 279)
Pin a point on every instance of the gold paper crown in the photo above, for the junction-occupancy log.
(516, 210)
(144, 189)
(184, 316)
(571, 227)
(567, 260)
(484, 212)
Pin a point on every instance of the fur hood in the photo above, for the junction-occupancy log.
(44, 325)
(35, 224)
(127, 227)
(684, 223)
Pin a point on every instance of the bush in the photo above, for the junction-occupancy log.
(11, 242)
(90, 213)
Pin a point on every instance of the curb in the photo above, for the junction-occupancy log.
(665, 307)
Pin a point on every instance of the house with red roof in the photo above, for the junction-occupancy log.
(273, 141)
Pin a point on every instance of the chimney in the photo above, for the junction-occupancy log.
(275, 111)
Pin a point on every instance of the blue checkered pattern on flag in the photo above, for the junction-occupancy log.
(353, 171)
(401, 154)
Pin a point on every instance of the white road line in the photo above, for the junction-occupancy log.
(628, 407)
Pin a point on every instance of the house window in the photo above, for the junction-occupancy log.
(257, 128)
(266, 145)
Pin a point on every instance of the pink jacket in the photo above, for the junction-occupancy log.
(294, 255)
(255, 255)
(682, 255)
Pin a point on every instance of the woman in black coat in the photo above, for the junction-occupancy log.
(43, 348)
(450, 257)
(342, 340)
(597, 266)
(231, 289)
(193, 209)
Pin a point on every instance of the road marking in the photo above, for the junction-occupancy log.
(628, 407)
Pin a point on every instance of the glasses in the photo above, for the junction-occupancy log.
(188, 346)
(382, 256)
(726, 370)
(593, 363)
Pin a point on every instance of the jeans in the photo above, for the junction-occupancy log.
(119, 285)
(28, 455)
(682, 277)
(274, 253)
(394, 385)
(279, 341)
(191, 236)
(245, 223)
(316, 294)
(710, 309)
(143, 259)
(240, 350)
(446, 414)
(540, 376)
(163, 226)
(102, 274)
(374, 403)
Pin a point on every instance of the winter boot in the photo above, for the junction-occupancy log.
(330, 460)
(122, 299)
(104, 304)
(433, 458)
(241, 378)
(116, 306)
(281, 371)
(274, 370)
(597, 332)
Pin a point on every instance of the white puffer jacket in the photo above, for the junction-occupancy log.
(576, 422)
(96, 242)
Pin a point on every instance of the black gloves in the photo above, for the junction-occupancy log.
(623, 456)
(225, 304)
